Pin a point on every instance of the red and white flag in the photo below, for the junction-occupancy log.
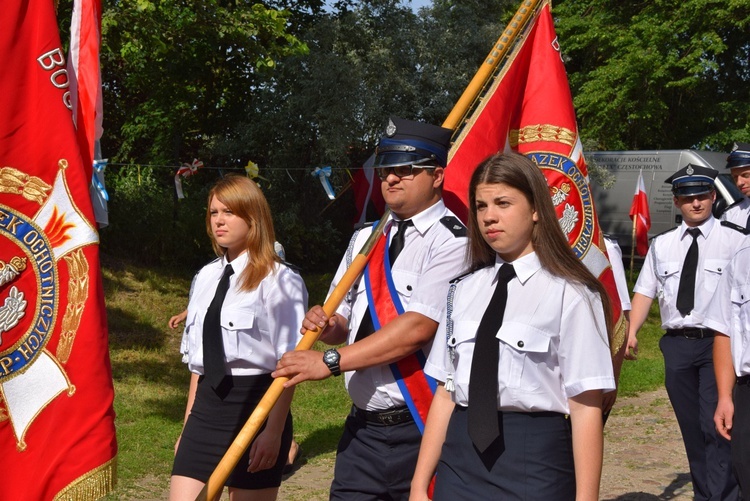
(57, 434)
(641, 217)
(529, 109)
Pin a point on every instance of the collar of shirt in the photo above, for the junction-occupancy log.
(525, 266)
(425, 219)
(705, 228)
(237, 265)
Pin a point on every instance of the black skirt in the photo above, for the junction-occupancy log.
(534, 460)
(213, 424)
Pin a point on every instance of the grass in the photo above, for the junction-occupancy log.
(151, 381)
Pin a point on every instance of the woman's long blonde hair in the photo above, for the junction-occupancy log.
(547, 238)
(243, 197)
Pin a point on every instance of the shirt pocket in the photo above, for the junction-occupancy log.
(524, 353)
(666, 274)
(405, 283)
(740, 302)
(713, 269)
(240, 330)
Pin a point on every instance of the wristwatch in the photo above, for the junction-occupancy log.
(331, 359)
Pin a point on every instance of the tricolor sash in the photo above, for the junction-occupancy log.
(385, 305)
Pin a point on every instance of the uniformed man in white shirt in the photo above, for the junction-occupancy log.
(729, 315)
(738, 162)
(682, 269)
(388, 335)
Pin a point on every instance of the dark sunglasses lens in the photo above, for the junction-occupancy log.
(402, 170)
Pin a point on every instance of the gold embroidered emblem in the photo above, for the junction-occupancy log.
(19, 183)
(542, 132)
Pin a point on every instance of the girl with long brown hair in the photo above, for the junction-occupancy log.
(522, 358)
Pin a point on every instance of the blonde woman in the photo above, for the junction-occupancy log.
(244, 313)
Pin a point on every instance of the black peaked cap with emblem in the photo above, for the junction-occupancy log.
(692, 180)
(739, 157)
(406, 142)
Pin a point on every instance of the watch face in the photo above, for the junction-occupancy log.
(331, 357)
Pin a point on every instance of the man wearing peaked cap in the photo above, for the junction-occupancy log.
(421, 250)
(692, 180)
(738, 162)
(406, 143)
(682, 268)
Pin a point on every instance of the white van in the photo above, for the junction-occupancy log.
(613, 204)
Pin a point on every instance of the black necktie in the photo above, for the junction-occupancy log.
(366, 327)
(686, 289)
(397, 242)
(213, 340)
(484, 422)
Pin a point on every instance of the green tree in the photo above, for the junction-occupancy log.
(178, 74)
(667, 74)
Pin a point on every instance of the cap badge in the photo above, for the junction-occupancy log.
(390, 130)
(690, 170)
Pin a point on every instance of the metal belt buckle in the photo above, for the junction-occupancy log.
(388, 419)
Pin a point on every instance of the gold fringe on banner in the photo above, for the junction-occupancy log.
(93, 485)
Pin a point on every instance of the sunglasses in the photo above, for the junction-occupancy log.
(401, 171)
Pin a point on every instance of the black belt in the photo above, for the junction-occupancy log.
(743, 380)
(691, 333)
(388, 417)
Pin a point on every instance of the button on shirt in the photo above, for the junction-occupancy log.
(553, 341)
(662, 269)
(258, 326)
(729, 310)
(431, 257)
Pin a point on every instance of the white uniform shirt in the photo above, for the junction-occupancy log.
(662, 269)
(553, 341)
(431, 257)
(257, 326)
(729, 310)
(618, 270)
(738, 214)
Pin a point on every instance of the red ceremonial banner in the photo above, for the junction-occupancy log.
(57, 434)
(641, 216)
(529, 109)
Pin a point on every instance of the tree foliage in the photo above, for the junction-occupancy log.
(664, 74)
(293, 86)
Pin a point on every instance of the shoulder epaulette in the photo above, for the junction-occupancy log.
(359, 226)
(663, 233)
(293, 267)
(734, 204)
(736, 227)
(460, 277)
(454, 225)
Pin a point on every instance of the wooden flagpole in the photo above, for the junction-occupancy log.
(215, 483)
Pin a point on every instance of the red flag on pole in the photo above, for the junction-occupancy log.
(57, 435)
(529, 109)
(640, 216)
